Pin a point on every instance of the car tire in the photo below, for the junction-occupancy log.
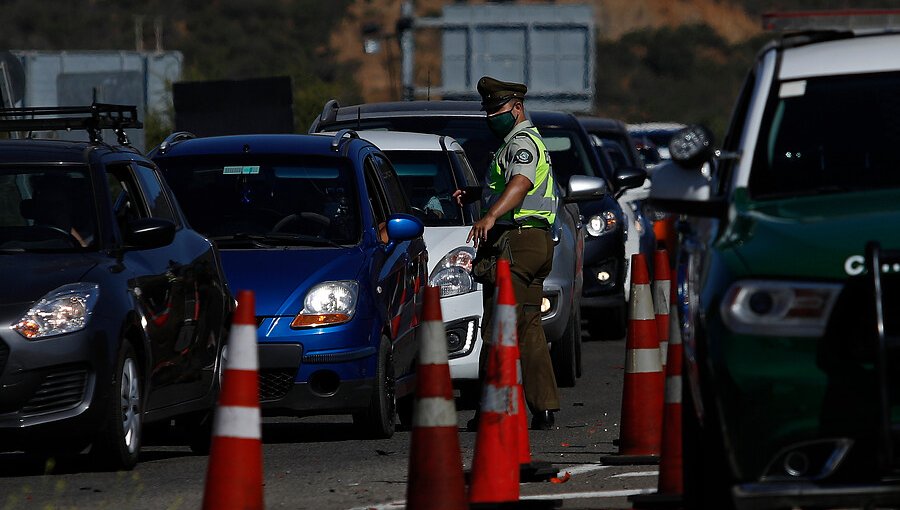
(563, 353)
(118, 442)
(707, 483)
(377, 422)
(608, 323)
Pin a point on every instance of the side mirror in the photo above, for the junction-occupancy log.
(147, 233)
(681, 190)
(583, 188)
(691, 147)
(403, 227)
(630, 177)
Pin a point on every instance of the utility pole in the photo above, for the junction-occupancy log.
(405, 26)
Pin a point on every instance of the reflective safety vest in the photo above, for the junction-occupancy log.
(538, 209)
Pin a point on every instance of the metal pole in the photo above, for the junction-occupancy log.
(407, 50)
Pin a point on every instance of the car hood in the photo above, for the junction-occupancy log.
(280, 279)
(28, 276)
(441, 240)
(813, 237)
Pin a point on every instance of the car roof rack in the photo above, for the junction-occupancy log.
(339, 137)
(94, 119)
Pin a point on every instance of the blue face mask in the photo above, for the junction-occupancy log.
(502, 123)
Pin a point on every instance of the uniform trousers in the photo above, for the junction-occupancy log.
(530, 254)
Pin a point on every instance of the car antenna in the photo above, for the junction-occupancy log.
(428, 89)
(358, 120)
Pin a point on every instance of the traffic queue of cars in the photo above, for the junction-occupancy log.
(124, 266)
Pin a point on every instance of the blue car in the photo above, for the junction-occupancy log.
(318, 227)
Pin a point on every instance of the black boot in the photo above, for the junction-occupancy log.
(542, 420)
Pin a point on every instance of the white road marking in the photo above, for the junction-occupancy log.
(635, 474)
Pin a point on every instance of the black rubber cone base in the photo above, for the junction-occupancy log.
(537, 471)
(527, 504)
(655, 500)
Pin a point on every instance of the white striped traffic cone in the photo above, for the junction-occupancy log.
(671, 480)
(642, 393)
(662, 286)
(234, 476)
(495, 466)
(435, 477)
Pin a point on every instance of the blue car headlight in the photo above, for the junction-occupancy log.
(602, 224)
(63, 310)
(453, 274)
(328, 303)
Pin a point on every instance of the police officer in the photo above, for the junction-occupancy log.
(515, 224)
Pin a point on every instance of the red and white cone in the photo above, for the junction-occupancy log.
(234, 477)
(662, 286)
(642, 392)
(435, 464)
(495, 466)
(671, 480)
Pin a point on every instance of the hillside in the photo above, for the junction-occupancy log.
(379, 74)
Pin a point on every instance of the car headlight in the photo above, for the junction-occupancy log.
(328, 303)
(776, 308)
(453, 274)
(602, 224)
(63, 310)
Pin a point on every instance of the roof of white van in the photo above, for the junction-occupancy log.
(402, 140)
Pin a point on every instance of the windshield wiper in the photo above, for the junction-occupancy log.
(273, 239)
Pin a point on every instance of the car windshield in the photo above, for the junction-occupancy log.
(568, 154)
(46, 208)
(428, 180)
(829, 135)
(262, 201)
(471, 132)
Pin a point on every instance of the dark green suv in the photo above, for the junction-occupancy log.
(788, 295)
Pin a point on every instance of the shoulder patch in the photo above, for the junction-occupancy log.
(524, 156)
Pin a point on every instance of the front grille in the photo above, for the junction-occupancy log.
(275, 383)
(60, 390)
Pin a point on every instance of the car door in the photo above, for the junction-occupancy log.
(410, 262)
(171, 289)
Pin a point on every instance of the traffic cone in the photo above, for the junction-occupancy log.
(234, 476)
(642, 392)
(671, 480)
(495, 465)
(662, 286)
(670, 483)
(435, 463)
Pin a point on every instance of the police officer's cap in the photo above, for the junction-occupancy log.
(495, 93)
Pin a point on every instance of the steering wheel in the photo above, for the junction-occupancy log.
(418, 211)
(59, 233)
(323, 221)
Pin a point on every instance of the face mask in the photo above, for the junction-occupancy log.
(502, 123)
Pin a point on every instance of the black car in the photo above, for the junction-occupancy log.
(603, 295)
(114, 310)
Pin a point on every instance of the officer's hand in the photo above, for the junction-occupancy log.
(458, 195)
(480, 229)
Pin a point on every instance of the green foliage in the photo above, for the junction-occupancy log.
(682, 74)
(222, 40)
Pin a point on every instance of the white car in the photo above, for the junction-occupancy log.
(431, 168)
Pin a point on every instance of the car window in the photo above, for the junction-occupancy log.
(125, 194)
(157, 200)
(829, 135)
(567, 154)
(428, 182)
(377, 202)
(393, 190)
(284, 199)
(47, 208)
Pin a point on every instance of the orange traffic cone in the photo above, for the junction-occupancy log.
(435, 464)
(662, 286)
(495, 465)
(642, 392)
(670, 484)
(670, 463)
(234, 477)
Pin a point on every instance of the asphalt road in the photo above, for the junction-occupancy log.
(319, 462)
